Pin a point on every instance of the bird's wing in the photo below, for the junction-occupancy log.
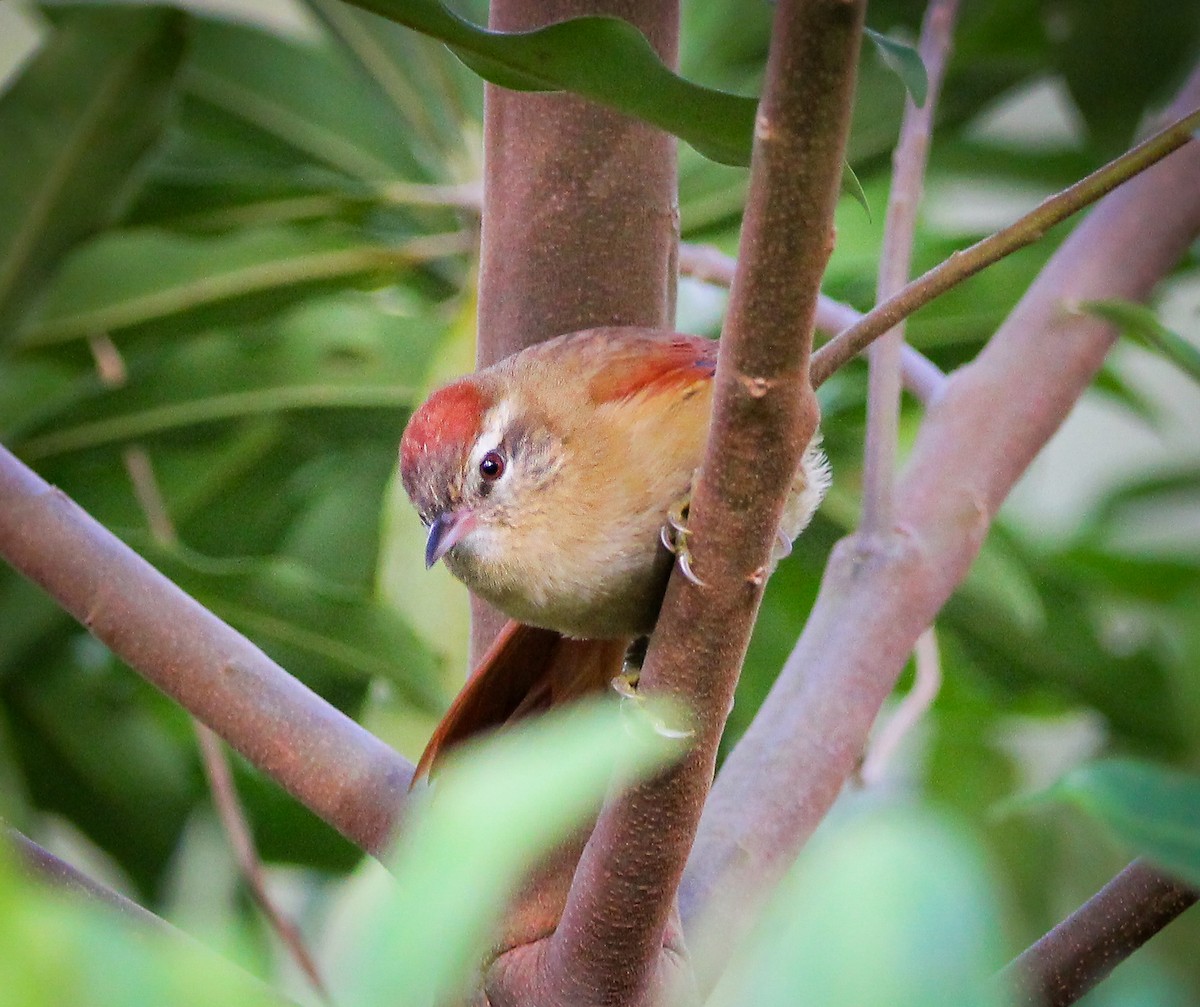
(525, 670)
(643, 363)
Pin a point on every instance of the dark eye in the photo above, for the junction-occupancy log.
(491, 466)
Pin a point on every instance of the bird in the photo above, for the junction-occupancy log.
(554, 484)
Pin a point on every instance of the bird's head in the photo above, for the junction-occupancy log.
(471, 459)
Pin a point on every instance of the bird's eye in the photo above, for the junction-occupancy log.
(491, 466)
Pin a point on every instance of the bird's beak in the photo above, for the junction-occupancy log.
(447, 530)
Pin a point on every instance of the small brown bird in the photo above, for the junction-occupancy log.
(554, 484)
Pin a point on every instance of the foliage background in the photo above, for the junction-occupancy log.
(272, 230)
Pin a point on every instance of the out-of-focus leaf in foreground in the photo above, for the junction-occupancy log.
(489, 815)
(886, 909)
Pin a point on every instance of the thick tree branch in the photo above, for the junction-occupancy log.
(611, 936)
(961, 265)
(580, 215)
(1085, 947)
(992, 418)
(895, 265)
(340, 771)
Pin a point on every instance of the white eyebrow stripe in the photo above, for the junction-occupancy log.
(496, 423)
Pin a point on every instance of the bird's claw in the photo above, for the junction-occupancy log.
(625, 684)
(674, 535)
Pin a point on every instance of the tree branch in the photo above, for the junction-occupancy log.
(1025, 231)
(992, 418)
(329, 763)
(1085, 947)
(611, 936)
(895, 265)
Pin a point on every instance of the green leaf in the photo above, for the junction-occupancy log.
(602, 58)
(126, 279)
(321, 632)
(904, 60)
(489, 816)
(886, 909)
(337, 353)
(1155, 809)
(262, 93)
(76, 124)
(1139, 323)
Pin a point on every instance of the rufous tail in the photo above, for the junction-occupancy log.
(525, 670)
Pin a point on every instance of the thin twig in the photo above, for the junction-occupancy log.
(1028, 229)
(708, 264)
(927, 682)
(237, 828)
(1085, 947)
(895, 263)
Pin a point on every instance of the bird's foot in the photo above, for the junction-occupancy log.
(674, 536)
(625, 684)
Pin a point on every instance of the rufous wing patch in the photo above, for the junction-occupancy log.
(654, 366)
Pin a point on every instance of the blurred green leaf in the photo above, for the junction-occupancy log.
(493, 811)
(1127, 501)
(132, 278)
(905, 62)
(1153, 808)
(261, 92)
(1140, 323)
(893, 909)
(318, 630)
(332, 354)
(76, 124)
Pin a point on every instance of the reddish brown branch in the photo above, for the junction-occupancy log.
(580, 218)
(876, 598)
(609, 943)
(1085, 947)
(329, 763)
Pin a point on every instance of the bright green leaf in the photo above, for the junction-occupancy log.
(1140, 324)
(494, 809)
(75, 125)
(905, 62)
(1152, 808)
